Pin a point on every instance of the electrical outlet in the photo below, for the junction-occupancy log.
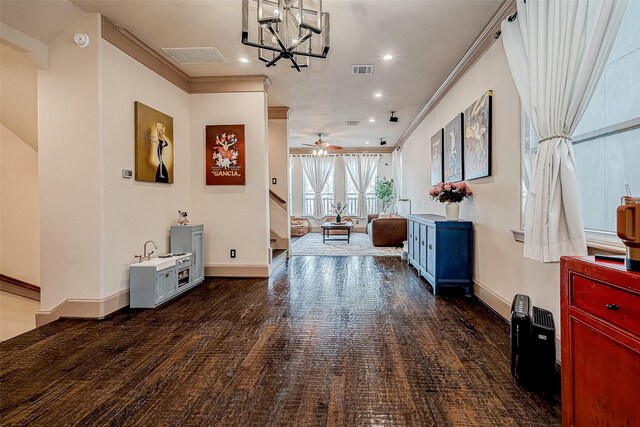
(357, 221)
(232, 253)
(274, 181)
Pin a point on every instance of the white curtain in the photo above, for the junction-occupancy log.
(361, 169)
(557, 50)
(317, 169)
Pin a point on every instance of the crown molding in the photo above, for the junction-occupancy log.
(127, 42)
(124, 40)
(223, 84)
(353, 150)
(279, 113)
(475, 52)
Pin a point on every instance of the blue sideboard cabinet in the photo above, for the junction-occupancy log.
(190, 238)
(441, 251)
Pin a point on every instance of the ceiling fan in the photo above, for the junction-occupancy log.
(323, 145)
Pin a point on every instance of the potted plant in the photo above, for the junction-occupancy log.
(384, 191)
(451, 193)
(338, 208)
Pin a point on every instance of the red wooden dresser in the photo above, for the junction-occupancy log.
(600, 310)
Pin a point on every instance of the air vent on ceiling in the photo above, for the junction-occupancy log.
(195, 55)
(362, 69)
(353, 123)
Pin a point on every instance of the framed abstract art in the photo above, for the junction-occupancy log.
(477, 138)
(436, 157)
(452, 150)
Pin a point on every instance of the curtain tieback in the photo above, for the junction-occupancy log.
(557, 135)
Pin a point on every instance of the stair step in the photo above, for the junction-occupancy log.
(278, 252)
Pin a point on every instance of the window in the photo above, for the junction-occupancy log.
(606, 142)
(351, 196)
(309, 196)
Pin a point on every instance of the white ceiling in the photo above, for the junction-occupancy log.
(426, 38)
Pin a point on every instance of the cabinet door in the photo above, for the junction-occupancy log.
(161, 287)
(431, 250)
(605, 382)
(416, 242)
(423, 247)
(171, 282)
(197, 261)
(410, 238)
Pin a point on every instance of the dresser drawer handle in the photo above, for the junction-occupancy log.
(423, 243)
(430, 247)
(613, 307)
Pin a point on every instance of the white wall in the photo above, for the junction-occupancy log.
(500, 269)
(234, 217)
(70, 168)
(19, 95)
(19, 227)
(279, 157)
(135, 211)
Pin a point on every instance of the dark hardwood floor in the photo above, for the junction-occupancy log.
(326, 341)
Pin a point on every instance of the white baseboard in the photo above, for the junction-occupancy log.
(236, 270)
(84, 308)
(503, 308)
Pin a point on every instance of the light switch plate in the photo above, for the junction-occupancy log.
(274, 181)
(127, 173)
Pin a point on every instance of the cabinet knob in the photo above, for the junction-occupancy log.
(423, 243)
(430, 247)
(613, 307)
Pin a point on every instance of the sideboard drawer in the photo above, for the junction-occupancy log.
(607, 303)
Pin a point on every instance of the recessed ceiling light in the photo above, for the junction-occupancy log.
(244, 60)
(367, 142)
(372, 120)
(387, 58)
(378, 95)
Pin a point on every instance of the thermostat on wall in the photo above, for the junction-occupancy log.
(127, 173)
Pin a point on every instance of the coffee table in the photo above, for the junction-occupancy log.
(328, 226)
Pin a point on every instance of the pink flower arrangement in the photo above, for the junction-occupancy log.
(450, 192)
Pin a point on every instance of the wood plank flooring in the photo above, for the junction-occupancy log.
(326, 341)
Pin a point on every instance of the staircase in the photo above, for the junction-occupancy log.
(279, 224)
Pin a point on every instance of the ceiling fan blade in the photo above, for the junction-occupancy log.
(310, 145)
(332, 147)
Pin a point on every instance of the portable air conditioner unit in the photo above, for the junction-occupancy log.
(520, 331)
(533, 346)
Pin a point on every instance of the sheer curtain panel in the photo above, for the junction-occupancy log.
(557, 50)
(361, 169)
(317, 169)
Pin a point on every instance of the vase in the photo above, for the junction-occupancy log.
(452, 210)
(338, 218)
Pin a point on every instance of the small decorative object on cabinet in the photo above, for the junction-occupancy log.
(600, 310)
(182, 218)
(190, 238)
(442, 251)
(451, 194)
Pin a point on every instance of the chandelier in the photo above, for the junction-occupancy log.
(291, 29)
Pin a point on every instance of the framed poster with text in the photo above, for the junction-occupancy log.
(225, 155)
